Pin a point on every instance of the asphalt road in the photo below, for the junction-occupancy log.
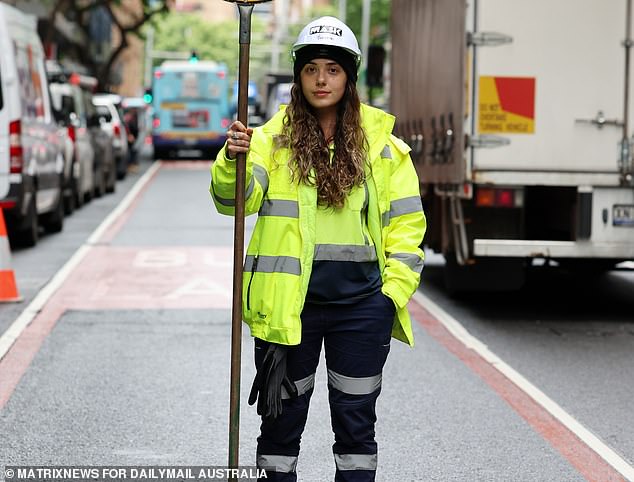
(128, 363)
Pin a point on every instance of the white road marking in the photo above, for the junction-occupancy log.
(31, 311)
(200, 287)
(591, 440)
(160, 258)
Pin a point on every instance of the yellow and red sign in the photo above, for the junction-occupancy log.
(506, 105)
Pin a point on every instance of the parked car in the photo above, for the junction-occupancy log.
(106, 167)
(67, 148)
(109, 109)
(31, 156)
(138, 121)
(70, 111)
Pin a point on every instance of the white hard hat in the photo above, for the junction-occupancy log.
(328, 31)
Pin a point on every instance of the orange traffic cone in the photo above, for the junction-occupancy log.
(8, 287)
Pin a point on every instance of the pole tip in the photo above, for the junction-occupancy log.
(247, 2)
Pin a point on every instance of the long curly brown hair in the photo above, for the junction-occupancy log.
(310, 157)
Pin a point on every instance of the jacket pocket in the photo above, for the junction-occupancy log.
(253, 270)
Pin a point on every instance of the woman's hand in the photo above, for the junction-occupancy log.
(238, 139)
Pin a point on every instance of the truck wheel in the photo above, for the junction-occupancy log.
(488, 274)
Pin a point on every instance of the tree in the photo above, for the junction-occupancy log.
(128, 17)
(379, 18)
(184, 32)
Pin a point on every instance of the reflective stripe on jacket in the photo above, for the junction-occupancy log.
(280, 254)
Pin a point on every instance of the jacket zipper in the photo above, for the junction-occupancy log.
(253, 268)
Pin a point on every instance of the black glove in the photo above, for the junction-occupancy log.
(267, 385)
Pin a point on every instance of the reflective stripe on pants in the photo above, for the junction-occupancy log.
(357, 341)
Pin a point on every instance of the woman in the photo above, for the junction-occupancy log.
(334, 256)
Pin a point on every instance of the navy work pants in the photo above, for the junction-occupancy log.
(356, 338)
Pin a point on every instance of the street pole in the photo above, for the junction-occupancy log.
(365, 42)
(342, 10)
(281, 12)
(365, 31)
(245, 9)
(149, 48)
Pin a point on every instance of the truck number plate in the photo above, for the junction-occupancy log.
(623, 215)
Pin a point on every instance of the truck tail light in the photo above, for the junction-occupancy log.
(116, 128)
(72, 133)
(505, 198)
(499, 197)
(16, 153)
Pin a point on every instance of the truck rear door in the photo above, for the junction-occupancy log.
(556, 91)
(427, 93)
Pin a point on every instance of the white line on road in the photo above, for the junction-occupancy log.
(31, 311)
(466, 338)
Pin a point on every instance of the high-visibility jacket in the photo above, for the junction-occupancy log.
(280, 253)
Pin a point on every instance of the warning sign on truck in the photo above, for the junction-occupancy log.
(506, 105)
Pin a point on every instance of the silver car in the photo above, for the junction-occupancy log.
(68, 102)
(109, 110)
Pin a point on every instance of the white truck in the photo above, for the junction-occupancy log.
(518, 113)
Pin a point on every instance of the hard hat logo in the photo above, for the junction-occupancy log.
(326, 29)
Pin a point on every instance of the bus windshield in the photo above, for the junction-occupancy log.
(191, 105)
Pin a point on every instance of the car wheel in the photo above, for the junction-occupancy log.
(100, 183)
(77, 194)
(112, 180)
(28, 237)
(54, 221)
(122, 167)
(70, 200)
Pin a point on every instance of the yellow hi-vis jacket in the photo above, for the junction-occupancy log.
(280, 254)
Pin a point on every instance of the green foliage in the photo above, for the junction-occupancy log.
(380, 11)
(179, 32)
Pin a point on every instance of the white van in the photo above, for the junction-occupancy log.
(31, 162)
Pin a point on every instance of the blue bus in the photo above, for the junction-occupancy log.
(191, 109)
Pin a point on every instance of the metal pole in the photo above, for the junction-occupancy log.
(628, 47)
(245, 9)
(342, 10)
(365, 31)
(474, 81)
(149, 57)
(238, 248)
(626, 154)
(279, 34)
